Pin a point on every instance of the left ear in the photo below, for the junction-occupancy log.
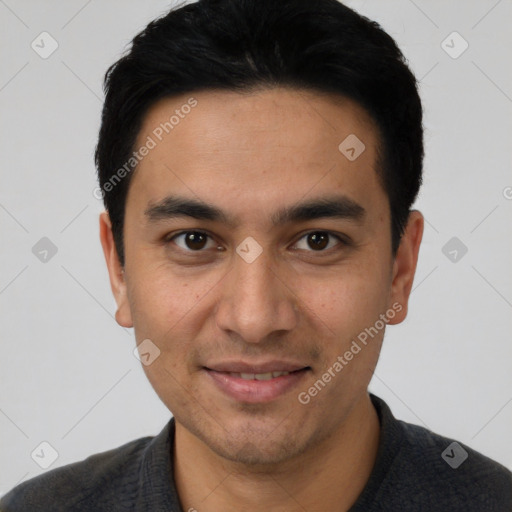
(404, 266)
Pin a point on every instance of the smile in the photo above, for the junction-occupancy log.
(259, 376)
(253, 388)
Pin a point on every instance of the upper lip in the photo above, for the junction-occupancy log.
(262, 367)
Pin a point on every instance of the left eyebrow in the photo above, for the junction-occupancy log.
(339, 206)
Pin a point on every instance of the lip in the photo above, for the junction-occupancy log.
(262, 367)
(256, 391)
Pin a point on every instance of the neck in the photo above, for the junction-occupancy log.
(329, 477)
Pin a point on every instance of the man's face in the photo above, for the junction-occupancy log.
(216, 308)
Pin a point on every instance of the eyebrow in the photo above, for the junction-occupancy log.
(339, 206)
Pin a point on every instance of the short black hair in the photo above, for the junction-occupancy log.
(242, 45)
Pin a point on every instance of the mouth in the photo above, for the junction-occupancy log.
(256, 386)
(259, 376)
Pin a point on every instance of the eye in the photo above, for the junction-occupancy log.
(198, 241)
(319, 241)
(193, 241)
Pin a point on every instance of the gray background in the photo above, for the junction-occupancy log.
(69, 376)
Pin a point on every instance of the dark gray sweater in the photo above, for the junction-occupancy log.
(416, 470)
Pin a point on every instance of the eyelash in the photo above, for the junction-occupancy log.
(342, 241)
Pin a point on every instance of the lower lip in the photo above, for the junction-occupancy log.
(255, 391)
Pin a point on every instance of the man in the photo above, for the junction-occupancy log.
(258, 162)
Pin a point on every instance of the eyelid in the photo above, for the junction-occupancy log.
(170, 238)
(343, 240)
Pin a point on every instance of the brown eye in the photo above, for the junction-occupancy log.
(318, 241)
(192, 241)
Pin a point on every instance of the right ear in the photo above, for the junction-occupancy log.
(115, 272)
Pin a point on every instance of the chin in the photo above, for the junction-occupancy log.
(256, 445)
(258, 454)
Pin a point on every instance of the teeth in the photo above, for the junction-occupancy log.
(263, 376)
(259, 376)
(278, 374)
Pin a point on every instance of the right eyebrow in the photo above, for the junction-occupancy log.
(176, 206)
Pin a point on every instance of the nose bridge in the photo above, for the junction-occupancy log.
(254, 300)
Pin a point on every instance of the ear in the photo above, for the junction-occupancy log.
(404, 266)
(115, 271)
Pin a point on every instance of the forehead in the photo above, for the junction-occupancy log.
(263, 148)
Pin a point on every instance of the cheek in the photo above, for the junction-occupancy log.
(162, 300)
(165, 310)
(346, 301)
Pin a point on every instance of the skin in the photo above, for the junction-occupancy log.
(251, 154)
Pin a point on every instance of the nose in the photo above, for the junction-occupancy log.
(256, 300)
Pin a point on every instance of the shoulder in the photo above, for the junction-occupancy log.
(444, 471)
(78, 486)
(417, 470)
